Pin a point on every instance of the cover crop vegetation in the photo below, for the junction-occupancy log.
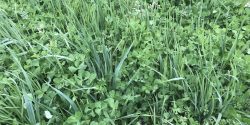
(125, 62)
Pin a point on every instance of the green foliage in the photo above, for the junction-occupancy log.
(101, 62)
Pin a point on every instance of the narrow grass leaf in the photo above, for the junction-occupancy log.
(71, 102)
(29, 107)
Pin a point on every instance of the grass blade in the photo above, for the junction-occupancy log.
(119, 66)
(29, 107)
(71, 102)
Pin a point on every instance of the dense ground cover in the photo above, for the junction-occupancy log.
(144, 62)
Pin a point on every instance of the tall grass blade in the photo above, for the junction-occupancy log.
(29, 107)
(119, 66)
(71, 102)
